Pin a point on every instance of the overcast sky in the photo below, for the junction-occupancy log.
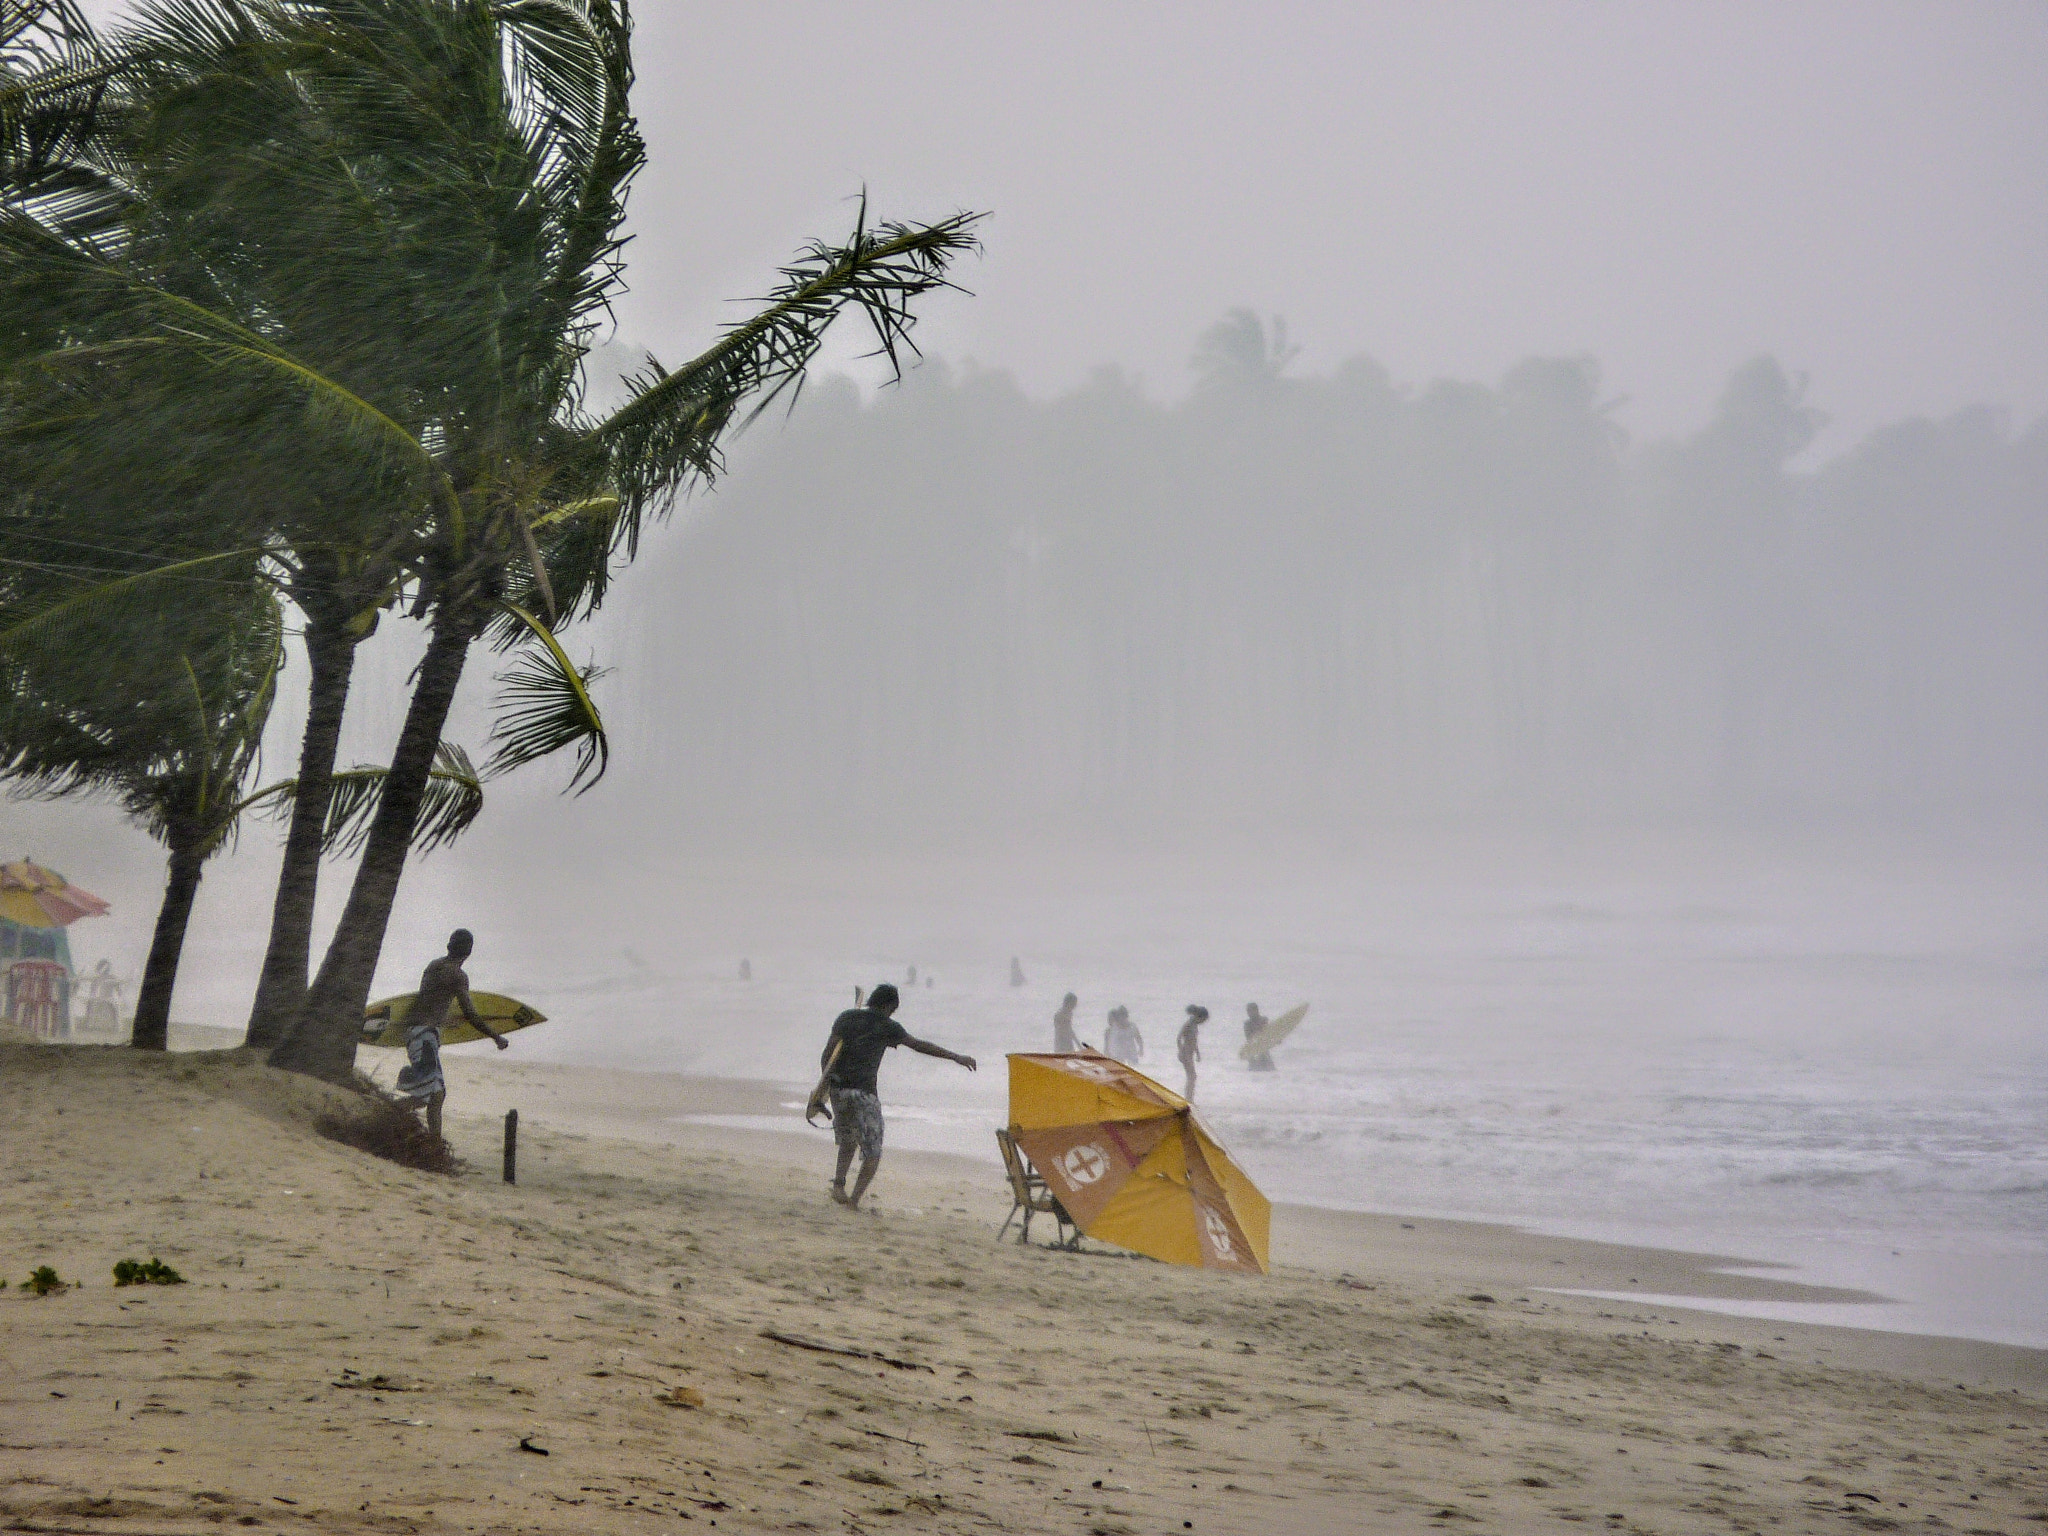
(1860, 188)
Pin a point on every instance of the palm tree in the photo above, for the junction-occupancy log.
(173, 738)
(186, 787)
(447, 179)
(96, 165)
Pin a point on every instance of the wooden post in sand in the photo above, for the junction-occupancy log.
(511, 1146)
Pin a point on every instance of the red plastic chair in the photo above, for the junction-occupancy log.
(39, 998)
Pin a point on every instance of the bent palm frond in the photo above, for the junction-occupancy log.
(667, 435)
(567, 567)
(589, 506)
(129, 314)
(572, 76)
(59, 622)
(55, 81)
(454, 798)
(546, 706)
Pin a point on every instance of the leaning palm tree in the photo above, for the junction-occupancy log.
(448, 176)
(108, 690)
(94, 164)
(173, 737)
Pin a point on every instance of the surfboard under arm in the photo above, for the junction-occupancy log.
(820, 1101)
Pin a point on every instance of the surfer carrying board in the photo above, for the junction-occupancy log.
(851, 1060)
(1189, 1043)
(1254, 1021)
(441, 983)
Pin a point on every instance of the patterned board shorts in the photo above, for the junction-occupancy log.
(857, 1121)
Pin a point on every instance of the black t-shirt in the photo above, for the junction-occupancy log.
(867, 1035)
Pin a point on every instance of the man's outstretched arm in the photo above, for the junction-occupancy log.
(476, 1019)
(927, 1048)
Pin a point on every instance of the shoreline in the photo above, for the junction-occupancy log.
(692, 1114)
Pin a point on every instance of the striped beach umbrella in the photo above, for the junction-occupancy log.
(35, 897)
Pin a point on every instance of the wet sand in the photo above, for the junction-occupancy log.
(1465, 1255)
(366, 1348)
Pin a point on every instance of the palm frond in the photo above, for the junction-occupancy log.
(536, 565)
(72, 618)
(546, 706)
(573, 73)
(54, 86)
(132, 314)
(588, 506)
(454, 798)
(571, 548)
(667, 435)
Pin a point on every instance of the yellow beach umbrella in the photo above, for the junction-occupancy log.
(1132, 1164)
(35, 897)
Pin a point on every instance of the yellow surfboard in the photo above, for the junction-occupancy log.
(384, 1022)
(1275, 1031)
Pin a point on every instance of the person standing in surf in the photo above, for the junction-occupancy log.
(1190, 1045)
(1063, 1024)
(1254, 1021)
(1122, 1039)
(850, 1061)
(441, 983)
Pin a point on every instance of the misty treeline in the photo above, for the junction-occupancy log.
(1314, 600)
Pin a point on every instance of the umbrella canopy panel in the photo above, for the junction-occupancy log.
(35, 897)
(1132, 1164)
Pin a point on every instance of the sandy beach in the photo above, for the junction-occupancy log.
(361, 1347)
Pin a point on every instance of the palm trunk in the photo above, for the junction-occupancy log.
(281, 990)
(160, 975)
(322, 1039)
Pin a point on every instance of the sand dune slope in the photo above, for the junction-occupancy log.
(366, 1349)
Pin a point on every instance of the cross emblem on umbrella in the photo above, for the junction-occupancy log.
(1084, 1164)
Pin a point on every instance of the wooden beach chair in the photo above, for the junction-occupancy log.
(1031, 1196)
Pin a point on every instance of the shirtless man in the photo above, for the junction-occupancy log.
(851, 1058)
(443, 982)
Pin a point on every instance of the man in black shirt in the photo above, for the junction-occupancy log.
(851, 1059)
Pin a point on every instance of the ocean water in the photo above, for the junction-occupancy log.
(1834, 1060)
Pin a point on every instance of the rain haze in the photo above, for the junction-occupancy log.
(1525, 527)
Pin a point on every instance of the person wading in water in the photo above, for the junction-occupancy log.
(1123, 1040)
(851, 1059)
(443, 982)
(1190, 1044)
(1254, 1021)
(1063, 1024)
